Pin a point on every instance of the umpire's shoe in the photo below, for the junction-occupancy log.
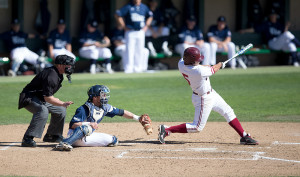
(28, 141)
(247, 140)
(162, 134)
(53, 138)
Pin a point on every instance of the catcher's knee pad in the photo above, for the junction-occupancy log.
(86, 129)
(114, 142)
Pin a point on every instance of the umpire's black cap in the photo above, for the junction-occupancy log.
(64, 60)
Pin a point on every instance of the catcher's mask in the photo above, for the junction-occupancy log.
(66, 60)
(192, 55)
(99, 90)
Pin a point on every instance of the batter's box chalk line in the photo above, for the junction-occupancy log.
(125, 154)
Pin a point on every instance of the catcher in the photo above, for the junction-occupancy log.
(88, 116)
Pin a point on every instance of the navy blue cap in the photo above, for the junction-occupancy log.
(15, 21)
(61, 21)
(93, 23)
(221, 19)
(191, 18)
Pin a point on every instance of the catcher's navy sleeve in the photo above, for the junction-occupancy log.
(80, 115)
(113, 111)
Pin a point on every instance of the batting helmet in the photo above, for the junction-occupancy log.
(99, 90)
(192, 55)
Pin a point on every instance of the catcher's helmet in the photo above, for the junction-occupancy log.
(192, 55)
(99, 90)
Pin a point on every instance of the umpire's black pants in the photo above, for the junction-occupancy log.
(40, 111)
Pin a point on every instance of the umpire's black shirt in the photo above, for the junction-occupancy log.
(46, 83)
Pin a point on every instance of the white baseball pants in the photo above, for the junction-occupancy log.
(121, 52)
(94, 140)
(93, 52)
(133, 59)
(205, 49)
(20, 54)
(215, 49)
(204, 105)
(283, 42)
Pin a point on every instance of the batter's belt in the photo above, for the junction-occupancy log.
(202, 94)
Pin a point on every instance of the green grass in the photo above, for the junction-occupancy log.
(256, 94)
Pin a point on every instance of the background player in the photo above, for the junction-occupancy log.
(204, 98)
(277, 36)
(118, 41)
(94, 45)
(134, 18)
(59, 41)
(16, 40)
(191, 36)
(157, 29)
(219, 37)
(88, 116)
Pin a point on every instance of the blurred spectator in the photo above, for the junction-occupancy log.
(134, 18)
(219, 37)
(16, 39)
(59, 41)
(94, 45)
(277, 36)
(118, 41)
(157, 29)
(169, 13)
(191, 36)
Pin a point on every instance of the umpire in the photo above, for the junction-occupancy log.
(37, 97)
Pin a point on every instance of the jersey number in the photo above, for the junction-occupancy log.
(186, 78)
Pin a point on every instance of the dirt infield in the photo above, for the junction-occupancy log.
(213, 152)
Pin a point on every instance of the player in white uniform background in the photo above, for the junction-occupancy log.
(219, 37)
(135, 18)
(191, 36)
(16, 41)
(204, 98)
(59, 41)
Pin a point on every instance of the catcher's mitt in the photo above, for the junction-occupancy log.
(146, 123)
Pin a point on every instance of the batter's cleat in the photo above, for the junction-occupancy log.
(114, 143)
(53, 138)
(28, 141)
(63, 147)
(247, 140)
(162, 134)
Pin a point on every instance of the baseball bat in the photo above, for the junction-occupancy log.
(243, 50)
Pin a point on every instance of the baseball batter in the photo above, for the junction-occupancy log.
(88, 116)
(191, 36)
(204, 98)
(59, 41)
(219, 37)
(135, 18)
